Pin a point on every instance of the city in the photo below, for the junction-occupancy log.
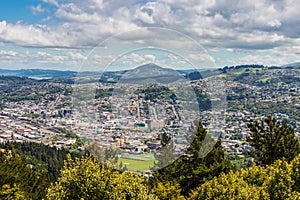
(134, 121)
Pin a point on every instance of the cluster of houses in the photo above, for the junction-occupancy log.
(132, 123)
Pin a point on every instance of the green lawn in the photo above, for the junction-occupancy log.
(264, 80)
(223, 75)
(238, 71)
(136, 165)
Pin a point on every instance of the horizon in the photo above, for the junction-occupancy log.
(135, 67)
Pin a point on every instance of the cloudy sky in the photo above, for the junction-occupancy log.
(90, 34)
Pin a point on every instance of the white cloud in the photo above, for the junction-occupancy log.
(150, 58)
(2, 26)
(76, 56)
(201, 58)
(211, 22)
(8, 53)
(53, 2)
(240, 24)
(37, 9)
(261, 59)
(24, 35)
(134, 57)
(42, 56)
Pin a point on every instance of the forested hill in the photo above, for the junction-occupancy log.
(37, 73)
(8, 80)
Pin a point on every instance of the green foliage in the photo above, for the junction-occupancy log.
(229, 186)
(203, 99)
(167, 191)
(278, 181)
(101, 93)
(107, 155)
(78, 142)
(18, 179)
(12, 193)
(190, 171)
(68, 133)
(86, 178)
(296, 173)
(33, 116)
(166, 154)
(155, 91)
(272, 140)
(42, 158)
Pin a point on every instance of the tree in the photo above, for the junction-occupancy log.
(165, 155)
(18, 179)
(229, 186)
(167, 191)
(272, 140)
(42, 158)
(278, 181)
(12, 193)
(86, 178)
(296, 173)
(107, 155)
(190, 170)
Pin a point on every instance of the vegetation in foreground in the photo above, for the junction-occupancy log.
(25, 175)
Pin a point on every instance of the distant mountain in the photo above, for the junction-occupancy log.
(151, 73)
(145, 73)
(10, 80)
(186, 71)
(38, 73)
(291, 65)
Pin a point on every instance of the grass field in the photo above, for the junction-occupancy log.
(264, 80)
(136, 165)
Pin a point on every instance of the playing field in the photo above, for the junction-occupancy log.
(136, 165)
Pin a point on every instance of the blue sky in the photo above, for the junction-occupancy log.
(91, 34)
(14, 11)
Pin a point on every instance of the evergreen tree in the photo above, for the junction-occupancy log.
(190, 170)
(109, 156)
(166, 154)
(41, 157)
(18, 179)
(272, 140)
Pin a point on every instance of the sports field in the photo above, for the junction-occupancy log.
(139, 163)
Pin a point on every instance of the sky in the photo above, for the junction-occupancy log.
(117, 34)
